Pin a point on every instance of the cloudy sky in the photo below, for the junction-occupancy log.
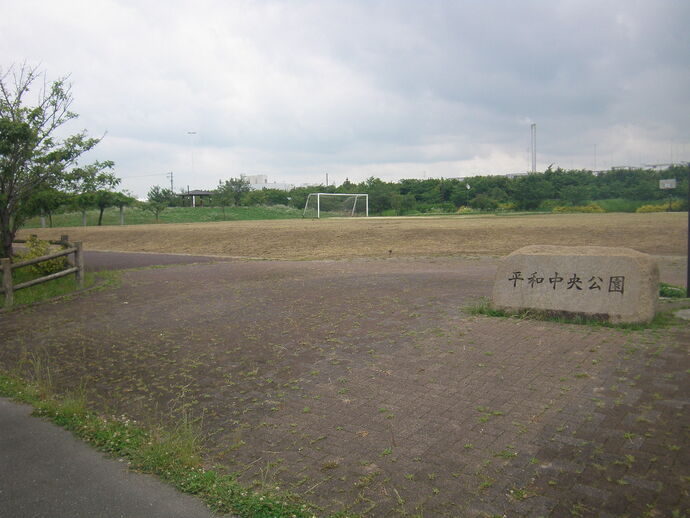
(395, 89)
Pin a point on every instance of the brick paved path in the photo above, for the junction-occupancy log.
(367, 386)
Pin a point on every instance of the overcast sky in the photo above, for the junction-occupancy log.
(393, 89)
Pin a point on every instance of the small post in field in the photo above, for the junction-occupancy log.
(7, 281)
(79, 263)
(64, 239)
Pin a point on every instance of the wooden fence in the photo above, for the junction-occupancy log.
(6, 266)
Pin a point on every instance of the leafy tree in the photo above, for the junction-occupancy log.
(380, 194)
(83, 202)
(254, 198)
(46, 202)
(232, 190)
(104, 199)
(483, 202)
(158, 199)
(122, 200)
(224, 196)
(32, 155)
(402, 203)
(529, 191)
(575, 194)
(275, 196)
(158, 194)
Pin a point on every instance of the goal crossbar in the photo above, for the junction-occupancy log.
(318, 196)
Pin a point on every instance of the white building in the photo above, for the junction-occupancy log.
(260, 181)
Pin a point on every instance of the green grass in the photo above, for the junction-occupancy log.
(670, 291)
(623, 205)
(483, 307)
(47, 290)
(172, 454)
(134, 216)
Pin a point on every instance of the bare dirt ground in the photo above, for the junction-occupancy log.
(657, 233)
(365, 385)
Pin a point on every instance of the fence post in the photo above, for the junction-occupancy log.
(7, 281)
(79, 263)
(64, 239)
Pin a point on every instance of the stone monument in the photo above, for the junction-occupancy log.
(612, 284)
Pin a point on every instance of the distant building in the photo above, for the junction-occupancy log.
(197, 196)
(260, 181)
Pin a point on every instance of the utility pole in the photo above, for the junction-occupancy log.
(687, 275)
(170, 175)
(533, 131)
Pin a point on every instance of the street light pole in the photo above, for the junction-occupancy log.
(191, 133)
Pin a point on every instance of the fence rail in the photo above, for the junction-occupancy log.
(6, 266)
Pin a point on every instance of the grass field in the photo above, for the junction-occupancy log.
(134, 216)
(336, 238)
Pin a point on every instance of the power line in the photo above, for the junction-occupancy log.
(146, 175)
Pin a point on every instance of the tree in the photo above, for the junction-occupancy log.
(253, 198)
(529, 191)
(46, 202)
(233, 189)
(103, 199)
(158, 194)
(122, 200)
(575, 194)
(158, 199)
(224, 195)
(483, 202)
(89, 184)
(32, 156)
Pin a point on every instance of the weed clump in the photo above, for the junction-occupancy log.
(39, 248)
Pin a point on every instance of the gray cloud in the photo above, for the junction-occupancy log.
(389, 88)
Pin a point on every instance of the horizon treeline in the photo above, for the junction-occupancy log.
(533, 191)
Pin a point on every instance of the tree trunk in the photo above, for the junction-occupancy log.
(83, 218)
(122, 215)
(6, 238)
(43, 219)
(100, 216)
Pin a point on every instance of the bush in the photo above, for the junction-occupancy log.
(465, 210)
(591, 208)
(483, 202)
(619, 204)
(676, 205)
(38, 248)
(550, 205)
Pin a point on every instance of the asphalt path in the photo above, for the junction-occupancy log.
(46, 472)
(98, 261)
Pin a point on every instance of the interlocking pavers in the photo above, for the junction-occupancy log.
(479, 409)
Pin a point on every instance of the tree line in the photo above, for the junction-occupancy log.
(546, 190)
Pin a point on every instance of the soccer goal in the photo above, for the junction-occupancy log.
(336, 204)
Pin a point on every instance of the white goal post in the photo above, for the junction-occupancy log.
(355, 197)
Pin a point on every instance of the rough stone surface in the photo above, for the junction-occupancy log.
(683, 313)
(616, 284)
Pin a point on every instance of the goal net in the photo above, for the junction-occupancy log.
(327, 204)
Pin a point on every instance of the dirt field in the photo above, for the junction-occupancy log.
(658, 233)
